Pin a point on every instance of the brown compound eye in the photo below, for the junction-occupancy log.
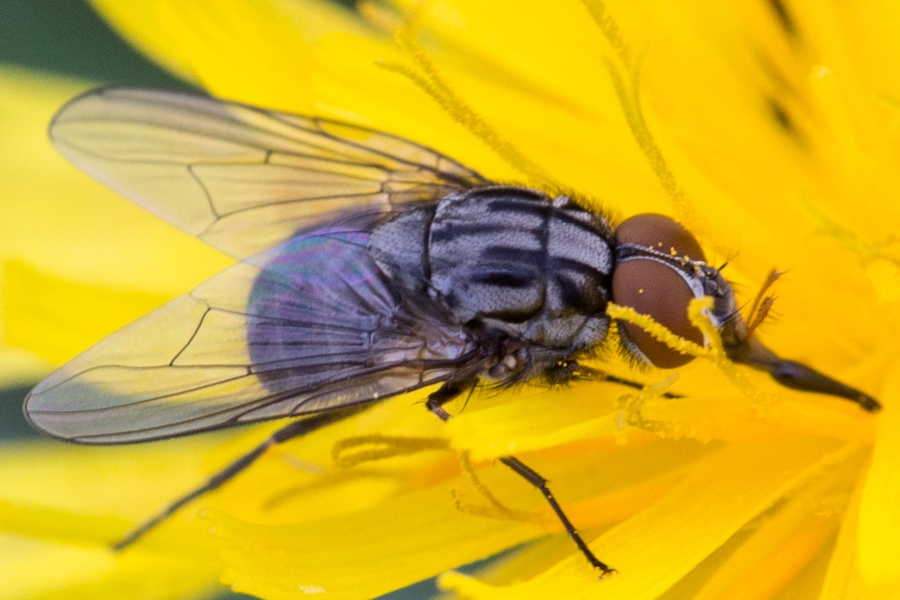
(655, 288)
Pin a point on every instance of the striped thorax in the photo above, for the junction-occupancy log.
(511, 261)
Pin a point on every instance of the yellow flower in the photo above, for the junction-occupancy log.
(78, 263)
(769, 129)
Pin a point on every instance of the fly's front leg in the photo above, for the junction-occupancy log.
(450, 390)
(445, 394)
(567, 371)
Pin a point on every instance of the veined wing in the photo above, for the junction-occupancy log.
(308, 326)
(241, 178)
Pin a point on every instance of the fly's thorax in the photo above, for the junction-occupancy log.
(399, 247)
(511, 260)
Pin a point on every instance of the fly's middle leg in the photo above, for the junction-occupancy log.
(451, 390)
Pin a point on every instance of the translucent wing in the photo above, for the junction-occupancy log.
(308, 326)
(244, 179)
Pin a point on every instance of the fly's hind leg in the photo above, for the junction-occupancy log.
(288, 432)
(538, 481)
(450, 390)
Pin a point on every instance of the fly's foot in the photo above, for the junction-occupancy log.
(605, 571)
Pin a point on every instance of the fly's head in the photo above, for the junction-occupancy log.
(659, 269)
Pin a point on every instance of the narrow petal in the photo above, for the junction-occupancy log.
(687, 525)
(78, 262)
(879, 522)
(61, 506)
(52, 571)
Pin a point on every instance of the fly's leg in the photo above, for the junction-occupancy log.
(445, 394)
(538, 481)
(570, 370)
(289, 431)
(450, 390)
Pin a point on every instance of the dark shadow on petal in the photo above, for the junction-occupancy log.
(68, 38)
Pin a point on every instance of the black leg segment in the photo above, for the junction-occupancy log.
(570, 370)
(538, 481)
(289, 431)
(450, 390)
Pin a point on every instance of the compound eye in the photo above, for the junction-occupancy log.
(654, 288)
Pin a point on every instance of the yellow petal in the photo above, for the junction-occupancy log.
(258, 52)
(50, 571)
(78, 260)
(880, 511)
(35, 318)
(61, 506)
(769, 134)
(657, 547)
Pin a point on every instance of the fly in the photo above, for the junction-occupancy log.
(369, 267)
